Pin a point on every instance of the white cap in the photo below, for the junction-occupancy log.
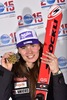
(26, 36)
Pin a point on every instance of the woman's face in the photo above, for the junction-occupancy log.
(30, 53)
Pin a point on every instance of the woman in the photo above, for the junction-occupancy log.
(19, 80)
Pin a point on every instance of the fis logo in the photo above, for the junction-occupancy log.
(62, 62)
(7, 7)
(47, 3)
(30, 19)
(6, 39)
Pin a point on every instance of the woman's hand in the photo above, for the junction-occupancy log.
(4, 61)
(52, 61)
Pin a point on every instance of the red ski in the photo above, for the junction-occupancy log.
(52, 30)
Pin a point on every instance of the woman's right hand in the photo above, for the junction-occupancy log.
(4, 61)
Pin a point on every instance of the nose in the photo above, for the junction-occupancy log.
(29, 49)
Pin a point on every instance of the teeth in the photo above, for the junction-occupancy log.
(30, 56)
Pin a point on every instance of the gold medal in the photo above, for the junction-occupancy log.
(13, 58)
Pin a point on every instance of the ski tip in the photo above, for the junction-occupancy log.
(54, 11)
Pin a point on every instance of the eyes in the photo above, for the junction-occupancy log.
(31, 45)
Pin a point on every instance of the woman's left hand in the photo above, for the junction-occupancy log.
(52, 61)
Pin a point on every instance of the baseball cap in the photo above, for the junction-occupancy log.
(26, 36)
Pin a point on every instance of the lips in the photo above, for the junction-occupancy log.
(30, 57)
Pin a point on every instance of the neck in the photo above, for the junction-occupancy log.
(30, 65)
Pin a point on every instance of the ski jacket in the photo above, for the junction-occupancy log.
(20, 90)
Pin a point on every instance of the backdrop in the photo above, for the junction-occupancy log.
(15, 14)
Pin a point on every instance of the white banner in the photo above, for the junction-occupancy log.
(15, 14)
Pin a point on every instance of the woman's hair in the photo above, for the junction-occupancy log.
(20, 70)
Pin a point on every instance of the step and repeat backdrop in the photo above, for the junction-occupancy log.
(16, 14)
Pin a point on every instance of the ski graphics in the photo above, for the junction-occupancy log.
(52, 30)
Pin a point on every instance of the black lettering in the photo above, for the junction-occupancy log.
(50, 48)
(55, 22)
(52, 40)
(53, 33)
(56, 10)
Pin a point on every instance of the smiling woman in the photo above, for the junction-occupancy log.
(30, 53)
(18, 80)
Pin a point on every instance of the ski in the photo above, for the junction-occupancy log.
(52, 29)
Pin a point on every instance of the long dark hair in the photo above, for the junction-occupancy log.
(20, 70)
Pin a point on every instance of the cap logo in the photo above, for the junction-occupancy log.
(26, 42)
(26, 34)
